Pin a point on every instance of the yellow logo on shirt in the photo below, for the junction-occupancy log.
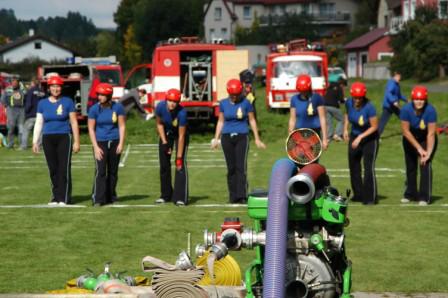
(239, 113)
(422, 124)
(361, 120)
(174, 123)
(114, 117)
(310, 109)
(59, 110)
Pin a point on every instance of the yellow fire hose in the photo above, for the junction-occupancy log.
(227, 272)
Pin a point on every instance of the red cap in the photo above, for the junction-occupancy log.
(419, 93)
(234, 87)
(55, 80)
(104, 89)
(358, 89)
(173, 95)
(303, 83)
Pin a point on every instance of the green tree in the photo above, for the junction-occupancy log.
(106, 44)
(155, 21)
(132, 50)
(124, 16)
(9, 25)
(420, 47)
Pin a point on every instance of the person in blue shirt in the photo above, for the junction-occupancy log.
(418, 124)
(107, 127)
(363, 144)
(308, 110)
(236, 113)
(171, 121)
(56, 120)
(32, 98)
(391, 101)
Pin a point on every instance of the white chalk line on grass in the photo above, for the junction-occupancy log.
(123, 161)
(40, 206)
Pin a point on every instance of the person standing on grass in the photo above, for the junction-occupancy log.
(391, 102)
(14, 100)
(235, 115)
(32, 98)
(334, 96)
(418, 124)
(362, 144)
(171, 122)
(307, 110)
(56, 120)
(107, 127)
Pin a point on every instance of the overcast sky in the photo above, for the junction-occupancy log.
(100, 11)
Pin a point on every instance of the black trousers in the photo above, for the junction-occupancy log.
(58, 153)
(411, 158)
(180, 191)
(236, 147)
(106, 173)
(364, 190)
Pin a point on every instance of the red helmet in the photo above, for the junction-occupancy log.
(55, 80)
(234, 87)
(104, 89)
(303, 83)
(419, 93)
(173, 95)
(358, 89)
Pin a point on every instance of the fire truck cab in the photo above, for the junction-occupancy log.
(199, 70)
(285, 64)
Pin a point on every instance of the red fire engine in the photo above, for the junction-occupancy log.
(82, 77)
(199, 70)
(283, 66)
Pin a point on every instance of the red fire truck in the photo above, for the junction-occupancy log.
(199, 70)
(283, 66)
(80, 77)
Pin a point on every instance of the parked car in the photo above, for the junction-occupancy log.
(335, 74)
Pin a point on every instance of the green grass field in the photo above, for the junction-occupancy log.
(393, 247)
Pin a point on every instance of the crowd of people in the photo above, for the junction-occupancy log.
(56, 131)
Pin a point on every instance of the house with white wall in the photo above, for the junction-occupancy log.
(34, 46)
(222, 17)
(393, 14)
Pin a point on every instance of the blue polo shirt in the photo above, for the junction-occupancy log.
(171, 120)
(235, 115)
(106, 118)
(418, 123)
(359, 118)
(56, 115)
(306, 110)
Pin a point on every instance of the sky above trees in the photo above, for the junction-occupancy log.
(100, 11)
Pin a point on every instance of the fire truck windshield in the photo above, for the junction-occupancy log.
(292, 69)
(110, 76)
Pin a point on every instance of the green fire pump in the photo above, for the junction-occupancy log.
(298, 233)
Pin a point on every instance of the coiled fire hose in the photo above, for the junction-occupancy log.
(169, 281)
(227, 271)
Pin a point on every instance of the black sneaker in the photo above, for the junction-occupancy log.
(180, 204)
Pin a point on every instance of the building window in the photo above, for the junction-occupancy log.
(37, 45)
(247, 13)
(306, 8)
(443, 9)
(218, 13)
(326, 8)
(212, 33)
(224, 32)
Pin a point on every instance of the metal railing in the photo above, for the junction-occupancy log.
(337, 18)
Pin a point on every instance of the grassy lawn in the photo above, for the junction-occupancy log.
(393, 247)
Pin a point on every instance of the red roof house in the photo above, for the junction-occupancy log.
(369, 47)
